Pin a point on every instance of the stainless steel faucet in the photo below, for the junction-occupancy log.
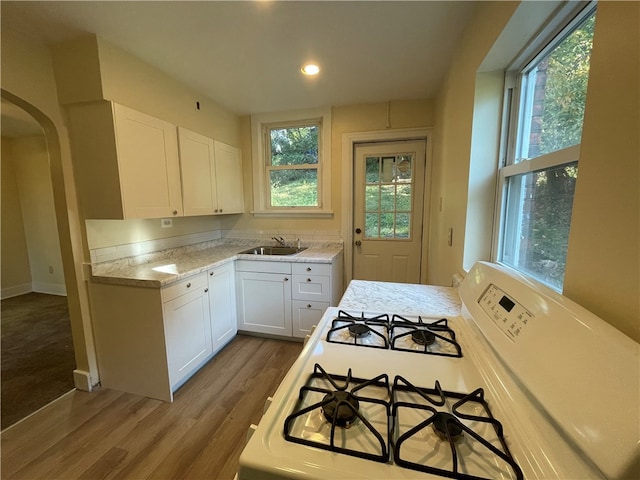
(280, 241)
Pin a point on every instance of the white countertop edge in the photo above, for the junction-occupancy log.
(193, 263)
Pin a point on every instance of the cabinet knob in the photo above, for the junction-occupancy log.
(308, 279)
(175, 212)
(308, 305)
(211, 274)
(220, 210)
(188, 285)
(308, 269)
(286, 279)
(206, 290)
(216, 210)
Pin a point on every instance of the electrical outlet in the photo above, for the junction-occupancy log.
(166, 222)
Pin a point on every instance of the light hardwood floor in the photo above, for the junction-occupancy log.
(113, 435)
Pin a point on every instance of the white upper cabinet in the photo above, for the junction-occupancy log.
(229, 178)
(198, 172)
(148, 163)
(211, 175)
(128, 165)
(126, 162)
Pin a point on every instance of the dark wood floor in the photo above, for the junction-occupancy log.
(112, 435)
(37, 354)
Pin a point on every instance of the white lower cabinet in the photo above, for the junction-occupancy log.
(264, 297)
(188, 332)
(283, 298)
(149, 341)
(222, 305)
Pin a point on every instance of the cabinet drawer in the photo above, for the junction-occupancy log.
(197, 282)
(262, 266)
(311, 269)
(306, 315)
(311, 287)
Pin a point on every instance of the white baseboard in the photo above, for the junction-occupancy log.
(15, 290)
(49, 288)
(82, 380)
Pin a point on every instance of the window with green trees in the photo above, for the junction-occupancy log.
(293, 164)
(547, 97)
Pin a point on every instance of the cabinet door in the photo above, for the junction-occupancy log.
(222, 305)
(306, 315)
(188, 334)
(197, 168)
(148, 165)
(229, 178)
(264, 302)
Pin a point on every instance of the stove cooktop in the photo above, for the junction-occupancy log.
(430, 430)
(502, 376)
(395, 332)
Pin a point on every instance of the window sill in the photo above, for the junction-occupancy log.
(293, 213)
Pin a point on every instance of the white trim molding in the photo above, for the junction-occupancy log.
(15, 290)
(260, 207)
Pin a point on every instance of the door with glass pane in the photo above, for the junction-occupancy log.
(388, 211)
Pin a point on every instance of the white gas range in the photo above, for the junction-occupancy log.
(522, 384)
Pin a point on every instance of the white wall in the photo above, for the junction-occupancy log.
(30, 160)
(453, 137)
(16, 272)
(603, 260)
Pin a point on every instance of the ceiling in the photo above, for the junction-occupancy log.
(247, 55)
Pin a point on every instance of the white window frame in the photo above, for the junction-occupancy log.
(259, 145)
(564, 21)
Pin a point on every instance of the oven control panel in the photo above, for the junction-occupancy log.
(511, 317)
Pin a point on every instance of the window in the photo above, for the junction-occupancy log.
(292, 164)
(545, 99)
(388, 197)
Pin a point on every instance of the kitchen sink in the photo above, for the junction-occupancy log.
(270, 250)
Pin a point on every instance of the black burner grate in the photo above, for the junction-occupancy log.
(347, 395)
(435, 338)
(449, 427)
(372, 332)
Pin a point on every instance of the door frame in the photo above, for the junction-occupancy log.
(349, 142)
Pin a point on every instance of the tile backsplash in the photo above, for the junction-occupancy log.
(249, 238)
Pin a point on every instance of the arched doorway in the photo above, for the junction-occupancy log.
(37, 356)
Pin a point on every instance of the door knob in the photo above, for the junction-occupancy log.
(358, 243)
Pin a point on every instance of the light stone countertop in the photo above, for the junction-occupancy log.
(401, 299)
(175, 264)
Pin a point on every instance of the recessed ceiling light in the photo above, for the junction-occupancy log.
(310, 69)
